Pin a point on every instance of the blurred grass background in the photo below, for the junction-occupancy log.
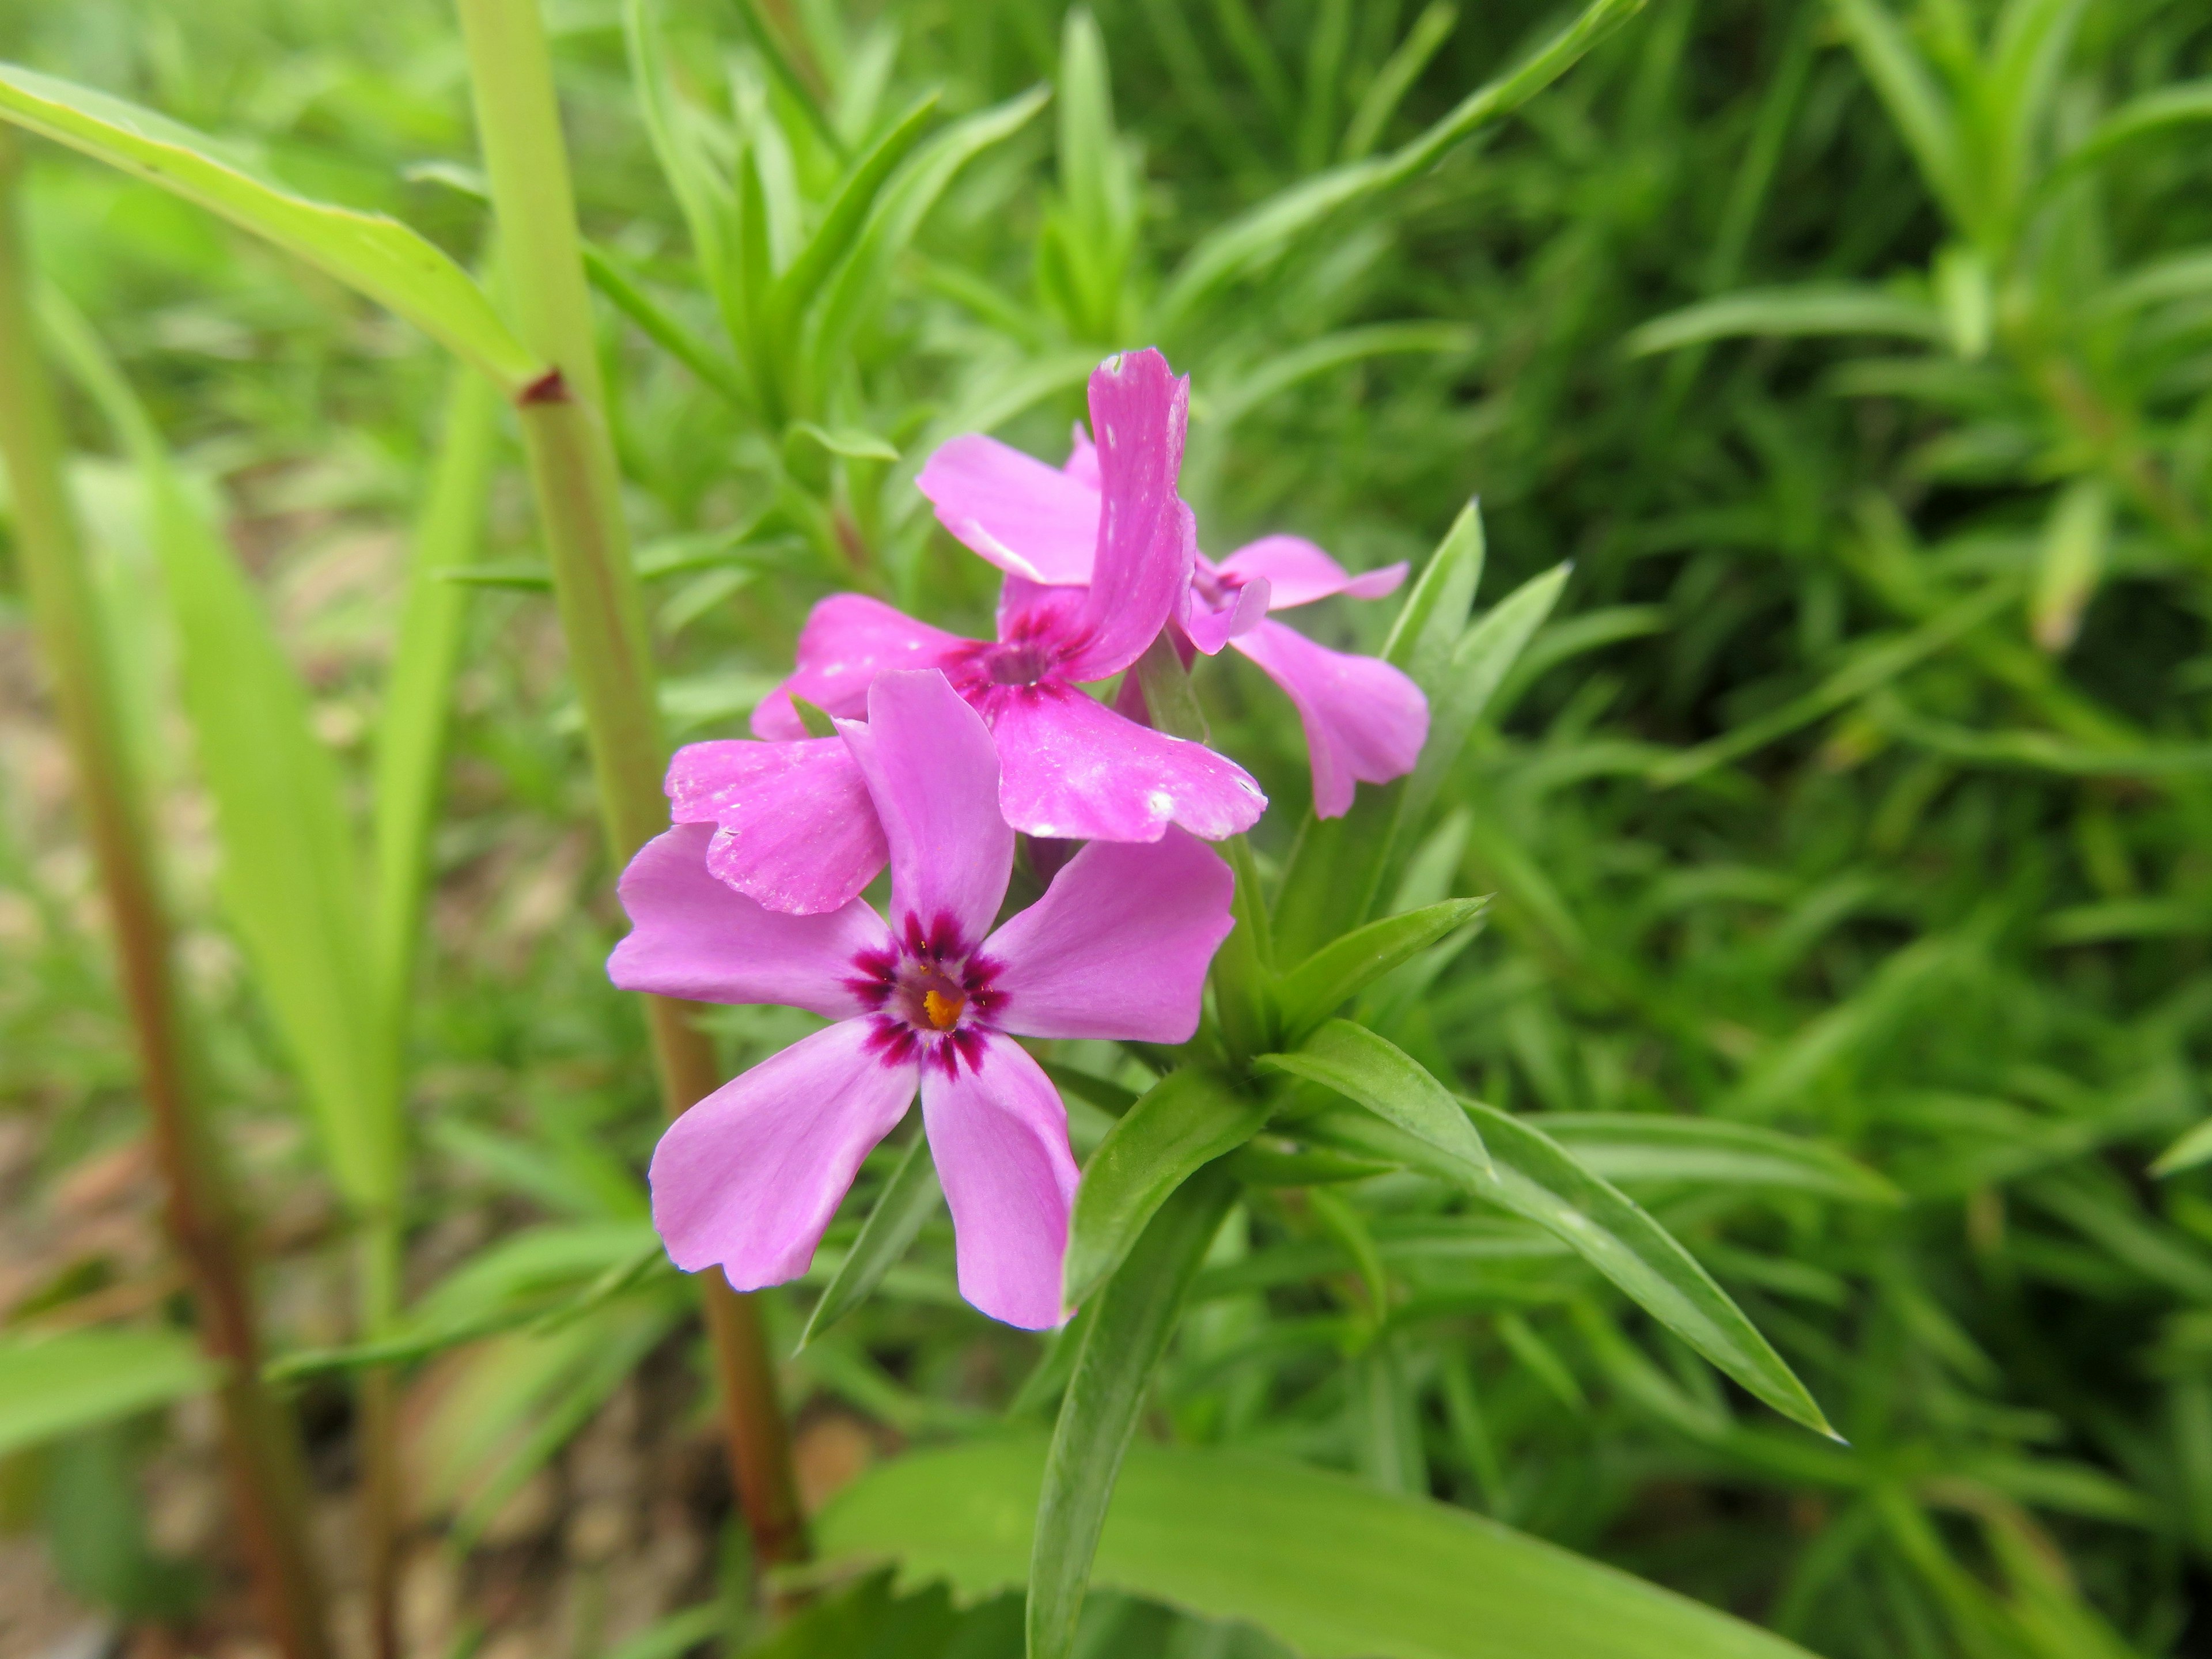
(1862, 785)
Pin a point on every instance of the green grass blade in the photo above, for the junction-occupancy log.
(376, 256)
(1130, 1323)
(1388, 1082)
(1183, 1123)
(1332, 1567)
(1710, 1152)
(1396, 77)
(834, 238)
(1809, 309)
(909, 1197)
(410, 743)
(74, 1380)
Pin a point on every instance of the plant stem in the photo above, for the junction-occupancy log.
(268, 1487)
(572, 466)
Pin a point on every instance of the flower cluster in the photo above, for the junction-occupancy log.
(754, 897)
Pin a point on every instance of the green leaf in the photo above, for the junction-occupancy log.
(410, 742)
(1534, 1177)
(2184, 104)
(1827, 308)
(1331, 1566)
(1634, 1146)
(909, 1197)
(1434, 614)
(73, 1380)
(1130, 1324)
(367, 251)
(663, 329)
(1184, 1121)
(1339, 971)
(292, 882)
(1388, 1082)
(850, 442)
(1479, 665)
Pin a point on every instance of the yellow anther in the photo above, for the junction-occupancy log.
(943, 1008)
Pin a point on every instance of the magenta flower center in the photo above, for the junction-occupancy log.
(1018, 662)
(929, 996)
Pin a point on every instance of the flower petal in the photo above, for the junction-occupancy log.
(692, 937)
(999, 1135)
(1209, 625)
(1074, 769)
(1027, 518)
(797, 831)
(1300, 572)
(934, 776)
(1364, 718)
(1082, 464)
(848, 640)
(750, 1175)
(1118, 946)
(1147, 539)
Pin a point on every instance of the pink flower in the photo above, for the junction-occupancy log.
(1364, 720)
(791, 830)
(1117, 947)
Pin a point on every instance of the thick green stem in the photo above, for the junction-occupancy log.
(268, 1488)
(580, 507)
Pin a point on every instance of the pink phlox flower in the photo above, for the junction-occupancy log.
(1365, 720)
(791, 828)
(930, 1001)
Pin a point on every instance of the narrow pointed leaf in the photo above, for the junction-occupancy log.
(410, 743)
(372, 254)
(1644, 1146)
(75, 1380)
(1532, 1176)
(1388, 1082)
(1332, 1567)
(1186, 1121)
(1338, 972)
(1808, 309)
(909, 1197)
(1130, 1323)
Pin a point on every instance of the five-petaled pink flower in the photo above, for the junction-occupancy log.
(1364, 720)
(1117, 947)
(792, 830)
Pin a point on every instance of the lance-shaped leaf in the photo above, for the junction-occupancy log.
(1338, 972)
(75, 1380)
(1130, 1322)
(1808, 309)
(909, 1197)
(373, 255)
(1644, 1146)
(1389, 1083)
(1332, 1567)
(1532, 1176)
(1184, 1121)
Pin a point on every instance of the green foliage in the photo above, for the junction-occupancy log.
(1834, 820)
(1329, 1565)
(76, 1380)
